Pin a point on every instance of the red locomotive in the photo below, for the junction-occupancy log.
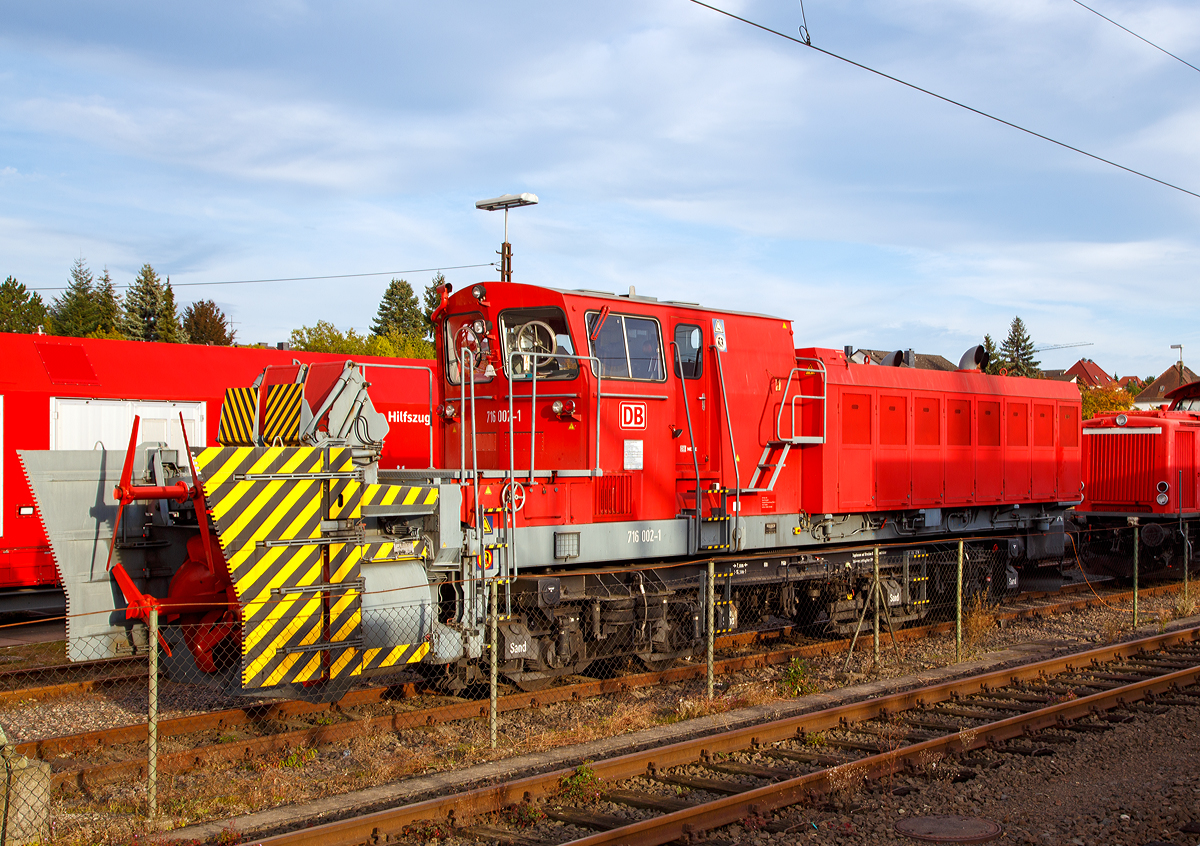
(79, 393)
(581, 435)
(1142, 469)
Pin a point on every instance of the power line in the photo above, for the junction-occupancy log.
(304, 278)
(979, 112)
(1135, 35)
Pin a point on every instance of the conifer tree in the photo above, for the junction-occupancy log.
(21, 310)
(432, 300)
(149, 309)
(108, 308)
(170, 330)
(1017, 351)
(75, 313)
(399, 311)
(993, 363)
(204, 323)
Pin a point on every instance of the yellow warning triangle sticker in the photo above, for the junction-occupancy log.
(487, 491)
(570, 427)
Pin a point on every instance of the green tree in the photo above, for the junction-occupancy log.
(409, 346)
(149, 309)
(398, 311)
(75, 313)
(993, 363)
(432, 300)
(21, 310)
(108, 308)
(327, 338)
(204, 323)
(1017, 351)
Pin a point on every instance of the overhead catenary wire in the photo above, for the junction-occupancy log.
(1135, 35)
(945, 99)
(306, 278)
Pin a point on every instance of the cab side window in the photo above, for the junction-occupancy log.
(628, 347)
(689, 341)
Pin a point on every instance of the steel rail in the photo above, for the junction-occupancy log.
(463, 807)
(187, 760)
(733, 808)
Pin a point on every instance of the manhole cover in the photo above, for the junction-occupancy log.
(949, 829)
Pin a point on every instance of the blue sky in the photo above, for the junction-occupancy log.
(672, 149)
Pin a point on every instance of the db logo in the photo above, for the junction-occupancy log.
(633, 415)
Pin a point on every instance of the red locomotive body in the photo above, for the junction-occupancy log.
(1141, 469)
(769, 435)
(80, 393)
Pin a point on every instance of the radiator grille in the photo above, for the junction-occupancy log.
(614, 495)
(1122, 469)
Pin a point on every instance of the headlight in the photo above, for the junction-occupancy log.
(557, 406)
(1122, 419)
(479, 292)
(1163, 487)
(1162, 499)
(481, 329)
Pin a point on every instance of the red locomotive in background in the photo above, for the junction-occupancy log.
(1142, 471)
(581, 439)
(81, 394)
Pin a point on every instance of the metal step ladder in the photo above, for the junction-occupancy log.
(775, 453)
(774, 449)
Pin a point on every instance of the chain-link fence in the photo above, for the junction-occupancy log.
(314, 693)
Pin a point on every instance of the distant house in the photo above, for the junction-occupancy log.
(1059, 376)
(1089, 374)
(921, 361)
(1154, 394)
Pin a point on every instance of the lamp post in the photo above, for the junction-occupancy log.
(506, 202)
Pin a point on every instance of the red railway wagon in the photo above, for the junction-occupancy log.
(79, 393)
(1142, 468)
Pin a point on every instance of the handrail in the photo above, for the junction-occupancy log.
(428, 372)
(509, 509)
(691, 439)
(824, 397)
(737, 475)
(468, 359)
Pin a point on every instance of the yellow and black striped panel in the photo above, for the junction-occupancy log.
(247, 513)
(378, 659)
(239, 413)
(350, 497)
(281, 416)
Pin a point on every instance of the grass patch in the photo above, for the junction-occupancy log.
(797, 679)
(582, 787)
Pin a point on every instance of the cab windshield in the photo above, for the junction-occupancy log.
(468, 347)
(537, 338)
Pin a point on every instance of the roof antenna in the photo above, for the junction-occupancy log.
(804, 29)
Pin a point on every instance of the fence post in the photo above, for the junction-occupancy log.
(1135, 575)
(711, 610)
(958, 608)
(152, 719)
(875, 593)
(495, 664)
(1187, 554)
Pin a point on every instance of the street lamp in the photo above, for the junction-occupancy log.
(506, 202)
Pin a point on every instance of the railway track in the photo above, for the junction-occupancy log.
(87, 676)
(681, 791)
(257, 730)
